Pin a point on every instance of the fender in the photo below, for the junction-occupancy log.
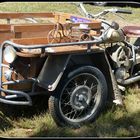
(55, 66)
(52, 71)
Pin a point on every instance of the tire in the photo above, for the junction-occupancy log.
(79, 97)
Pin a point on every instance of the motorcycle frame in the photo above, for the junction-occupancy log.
(57, 76)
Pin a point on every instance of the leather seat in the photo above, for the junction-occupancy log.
(132, 30)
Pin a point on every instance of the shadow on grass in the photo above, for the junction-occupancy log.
(40, 105)
(88, 130)
(106, 125)
(128, 125)
(5, 122)
(10, 112)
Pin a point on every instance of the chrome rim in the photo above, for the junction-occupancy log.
(80, 97)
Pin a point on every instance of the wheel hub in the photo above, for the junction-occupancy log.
(81, 97)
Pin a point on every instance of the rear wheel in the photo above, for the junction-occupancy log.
(79, 97)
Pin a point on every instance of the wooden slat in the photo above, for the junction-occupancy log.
(70, 49)
(25, 15)
(45, 27)
(35, 34)
(57, 50)
(5, 36)
(30, 41)
(25, 54)
(31, 27)
(35, 40)
(5, 27)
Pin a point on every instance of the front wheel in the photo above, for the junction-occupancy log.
(79, 97)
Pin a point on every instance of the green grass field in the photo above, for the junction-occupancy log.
(115, 121)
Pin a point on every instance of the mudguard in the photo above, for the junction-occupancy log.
(55, 66)
(52, 71)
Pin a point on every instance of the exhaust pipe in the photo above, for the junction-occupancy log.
(129, 81)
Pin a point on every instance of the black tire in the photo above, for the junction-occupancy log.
(81, 98)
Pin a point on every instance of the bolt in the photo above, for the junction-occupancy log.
(49, 87)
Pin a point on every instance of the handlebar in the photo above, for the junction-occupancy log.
(113, 10)
(123, 11)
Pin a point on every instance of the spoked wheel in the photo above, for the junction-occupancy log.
(79, 97)
(54, 36)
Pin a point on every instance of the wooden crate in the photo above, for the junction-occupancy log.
(8, 31)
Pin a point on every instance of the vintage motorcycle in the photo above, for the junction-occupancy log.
(80, 75)
(125, 56)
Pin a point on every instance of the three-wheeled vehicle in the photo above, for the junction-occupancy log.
(64, 57)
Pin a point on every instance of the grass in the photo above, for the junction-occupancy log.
(68, 8)
(115, 121)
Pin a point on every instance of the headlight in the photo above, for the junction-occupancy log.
(9, 54)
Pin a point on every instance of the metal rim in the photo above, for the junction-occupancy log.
(80, 97)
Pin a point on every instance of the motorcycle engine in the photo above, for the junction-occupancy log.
(120, 56)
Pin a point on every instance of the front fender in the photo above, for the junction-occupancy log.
(52, 71)
(55, 66)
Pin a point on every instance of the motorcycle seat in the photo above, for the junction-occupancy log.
(132, 30)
